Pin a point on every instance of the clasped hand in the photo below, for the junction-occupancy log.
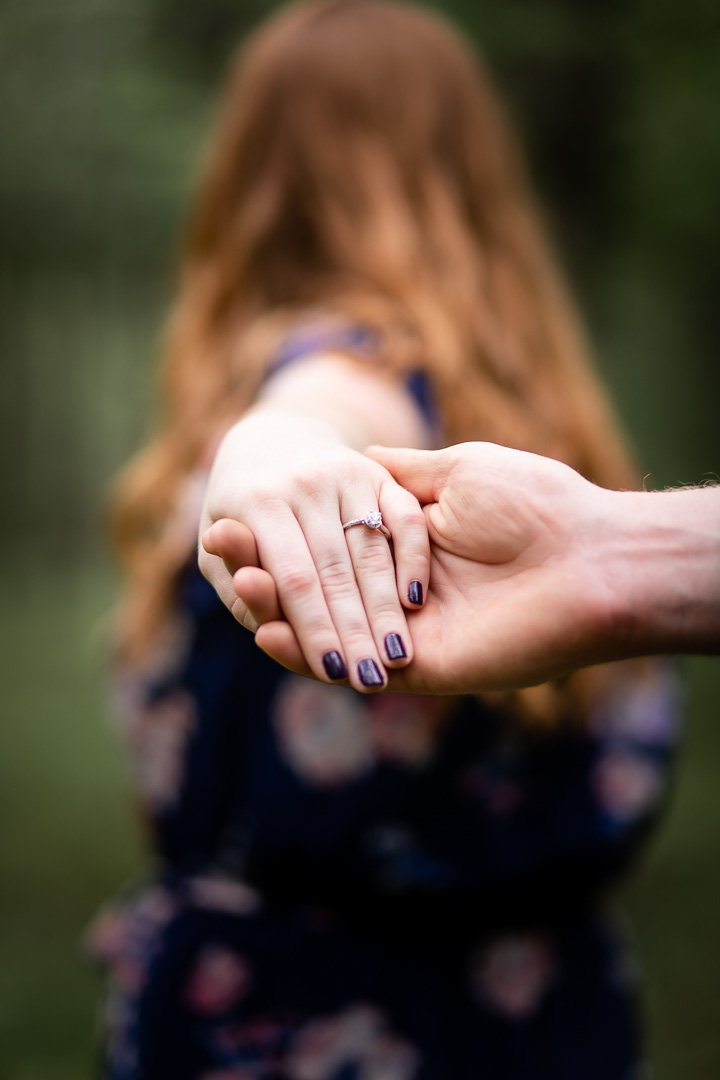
(509, 558)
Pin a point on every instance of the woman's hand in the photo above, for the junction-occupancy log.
(291, 480)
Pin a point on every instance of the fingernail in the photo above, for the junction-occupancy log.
(369, 674)
(415, 592)
(334, 665)
(395, 647)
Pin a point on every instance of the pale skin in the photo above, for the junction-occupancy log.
(535, 572)
(292, 472)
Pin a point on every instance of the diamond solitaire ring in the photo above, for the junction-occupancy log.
(373, 520)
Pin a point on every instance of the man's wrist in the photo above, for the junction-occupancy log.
(661, 562)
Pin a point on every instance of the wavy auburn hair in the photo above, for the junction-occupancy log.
(360, 163)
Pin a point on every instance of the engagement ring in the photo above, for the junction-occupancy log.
(373, 520)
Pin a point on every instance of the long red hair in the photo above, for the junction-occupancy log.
(361, 163)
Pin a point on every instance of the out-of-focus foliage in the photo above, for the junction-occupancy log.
(103, 112)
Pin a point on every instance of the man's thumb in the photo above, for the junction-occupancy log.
(421, 472)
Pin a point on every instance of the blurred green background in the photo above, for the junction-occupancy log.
(102, 116)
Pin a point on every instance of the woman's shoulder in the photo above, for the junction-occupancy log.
(322, 331)
(388, 343)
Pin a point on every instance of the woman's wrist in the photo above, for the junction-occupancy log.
(283, 423)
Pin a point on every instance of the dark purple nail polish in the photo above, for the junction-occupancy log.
(415, 592)
(369, 674)
(395, 647)
(334, 665)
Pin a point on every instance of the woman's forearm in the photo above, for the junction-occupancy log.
(357, 404)
(290, 469)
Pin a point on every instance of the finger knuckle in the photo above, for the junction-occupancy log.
(386, 614)
(371, 559)
(309, 485)
(295, 581)
(263, 498)
(243, 616)
(318, 629)
(358, 643)
(411, 517)
(335, 572)
(343, 597)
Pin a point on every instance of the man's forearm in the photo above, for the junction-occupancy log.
(661, 556)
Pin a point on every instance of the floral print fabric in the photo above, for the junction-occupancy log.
(204, 989)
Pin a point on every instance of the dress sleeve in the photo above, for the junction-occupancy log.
(360, 342)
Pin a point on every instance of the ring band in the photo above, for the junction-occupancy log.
(372, 520)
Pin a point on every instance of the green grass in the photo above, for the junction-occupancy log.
(68, 842)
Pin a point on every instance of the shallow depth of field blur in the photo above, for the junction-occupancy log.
(102, 116)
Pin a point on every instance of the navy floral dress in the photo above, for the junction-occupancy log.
(351, 887)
